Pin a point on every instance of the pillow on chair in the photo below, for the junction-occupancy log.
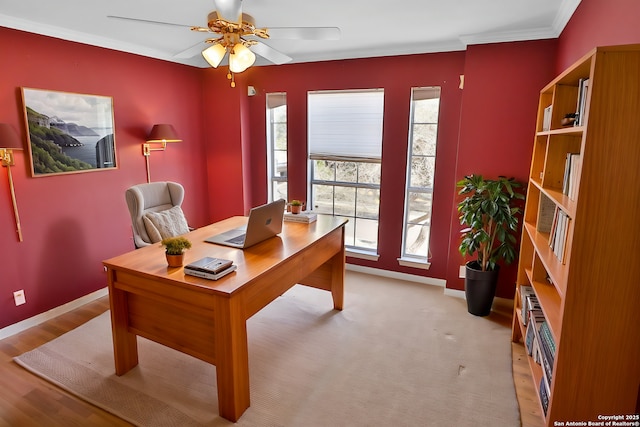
(163, 224)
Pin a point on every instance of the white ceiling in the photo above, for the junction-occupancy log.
(369, 28)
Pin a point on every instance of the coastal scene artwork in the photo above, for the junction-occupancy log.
(68, 132)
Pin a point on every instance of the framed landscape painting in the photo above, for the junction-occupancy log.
(69, 132)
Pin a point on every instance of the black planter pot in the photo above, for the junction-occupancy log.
(480, 288)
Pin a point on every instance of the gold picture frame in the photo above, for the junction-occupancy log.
(68, 132)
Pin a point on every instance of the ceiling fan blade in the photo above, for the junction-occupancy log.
(146, 21)
(305, 33)
(270, 54)
(229, 10)
(190, 52)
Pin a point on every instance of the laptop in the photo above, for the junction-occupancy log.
(264, 222)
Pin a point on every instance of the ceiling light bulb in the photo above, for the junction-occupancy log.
(214, 54)
(241, 58)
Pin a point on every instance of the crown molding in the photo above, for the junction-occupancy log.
(564, 14)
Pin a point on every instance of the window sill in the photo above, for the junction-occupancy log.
(415, 263)
(360, 254)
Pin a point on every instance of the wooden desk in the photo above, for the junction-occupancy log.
(207, 319)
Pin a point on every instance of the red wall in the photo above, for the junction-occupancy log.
(72, 222)
(497, 123)
(598, 23)
(487, 127)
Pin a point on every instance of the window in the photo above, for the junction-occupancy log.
(423, 130)
(345, 150)
(277, 145)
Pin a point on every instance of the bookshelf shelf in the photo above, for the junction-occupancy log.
(578, 253)
(560, 199)
(567, 130)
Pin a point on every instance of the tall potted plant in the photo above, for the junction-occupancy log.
(489, 213)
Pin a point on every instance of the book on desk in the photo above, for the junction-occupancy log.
(210, 268)
(304, 217)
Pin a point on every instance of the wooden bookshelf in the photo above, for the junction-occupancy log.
(591, 296)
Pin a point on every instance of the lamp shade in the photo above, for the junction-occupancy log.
(241, 58)
(163, 133)
(9, 138)
(214, 54)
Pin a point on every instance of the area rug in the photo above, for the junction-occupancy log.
(399, 354)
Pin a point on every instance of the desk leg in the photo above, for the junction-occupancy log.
(337, 277)
(125, 344)
(232, 359)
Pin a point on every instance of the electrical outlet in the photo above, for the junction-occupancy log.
(462, 272)
(19, 297)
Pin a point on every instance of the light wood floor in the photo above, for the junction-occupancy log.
(26, 400)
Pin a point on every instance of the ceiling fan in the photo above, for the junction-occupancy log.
(236, 34)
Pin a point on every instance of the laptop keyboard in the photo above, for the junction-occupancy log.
(237, 240)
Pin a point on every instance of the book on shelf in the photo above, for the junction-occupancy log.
(532, 340)
(544, 395)
(559, 234)
(570, 178)
(304, 216)
(547, 346)
(546, 211)
(546, 333)
(525, 293)
(547, 360)
(546, 118)
(530, 304)
(583, 90)
(210, 276)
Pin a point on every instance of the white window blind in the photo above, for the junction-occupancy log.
(346, 125)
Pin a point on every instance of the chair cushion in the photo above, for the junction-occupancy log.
(163, 224)
(152, 232)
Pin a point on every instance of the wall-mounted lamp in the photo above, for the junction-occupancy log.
(160, 134)
(10, 141)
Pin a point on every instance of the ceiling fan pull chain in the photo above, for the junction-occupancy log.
(231, 77)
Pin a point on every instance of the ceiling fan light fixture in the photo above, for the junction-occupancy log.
(214, 54)
(240, 58)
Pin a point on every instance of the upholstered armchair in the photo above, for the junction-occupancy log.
(155, 211)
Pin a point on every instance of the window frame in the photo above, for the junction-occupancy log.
(352, 249)
(406, 259)
(272, 177)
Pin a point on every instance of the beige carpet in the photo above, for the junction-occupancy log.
(399, 354)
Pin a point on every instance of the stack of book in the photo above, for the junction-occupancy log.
(547, 355)
(210, 268)
(538, 340)
(304, 217)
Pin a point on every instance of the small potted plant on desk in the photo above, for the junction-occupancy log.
(296, 206)
(489, 213)
(174, 250)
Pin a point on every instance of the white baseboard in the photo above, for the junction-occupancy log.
(57, 311)
(504, 305)
(397, 275)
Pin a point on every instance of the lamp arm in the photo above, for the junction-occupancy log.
(15, 204)
(147, 148)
